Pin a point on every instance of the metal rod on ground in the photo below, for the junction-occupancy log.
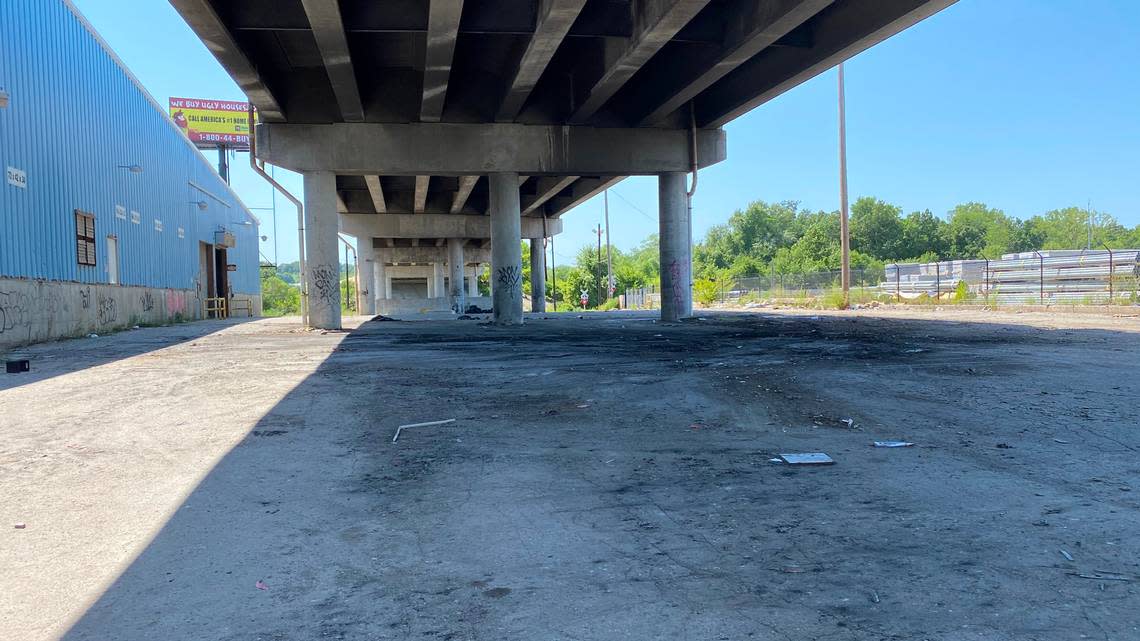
(427, 424)
(844, 240)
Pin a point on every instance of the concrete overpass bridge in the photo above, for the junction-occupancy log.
(440, 131)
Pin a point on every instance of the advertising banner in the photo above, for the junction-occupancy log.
(212, 123)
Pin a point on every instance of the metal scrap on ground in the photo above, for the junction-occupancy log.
(807, 458)
(429, 423)
(893, 443)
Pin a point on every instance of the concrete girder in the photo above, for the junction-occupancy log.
(208, 26)
(328, 30)
(443, 30)
(840, 31)
(581, 191)
(417, 226)
(429, 255)
(655, 24)
(548, 187)
(466, 184)
(449, 149)
(420, 200)
(376, 191)
(554, 21)
(753, 26)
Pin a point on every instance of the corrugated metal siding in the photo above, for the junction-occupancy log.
(73, 117)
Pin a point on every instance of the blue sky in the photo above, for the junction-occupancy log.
(1026, 105)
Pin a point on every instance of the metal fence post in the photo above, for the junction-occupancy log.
(898, 284)
(937, 279)
(1111, 273)
(1041, 276)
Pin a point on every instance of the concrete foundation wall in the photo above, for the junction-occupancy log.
(34, 311)
(397, 307)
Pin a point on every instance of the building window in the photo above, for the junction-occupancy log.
(85, 237)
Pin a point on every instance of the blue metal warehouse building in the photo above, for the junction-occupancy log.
(109, 216)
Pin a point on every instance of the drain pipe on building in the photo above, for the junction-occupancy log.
(260, 170)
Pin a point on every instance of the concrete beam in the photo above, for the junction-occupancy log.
(451, 149)
(377, 193)
(548, 187)
(443, 30)
(420, 200)
(583, 190)
(655, 24)
(466, 184)
(328, 30)
(208, 26)
(416, 226)
(428, 255)
(753, 26)
(555, 17)
(840, 31)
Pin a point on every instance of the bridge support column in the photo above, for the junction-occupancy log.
(366, 279)
(506, 248)
(537, 275)
(473, 282)
(455, 269)
(380, 277)
(435, 287)
(323, 271)
(676, 249)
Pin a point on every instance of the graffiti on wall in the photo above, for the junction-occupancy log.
(147, 301)
(85, 297)
(325, 284)
(508, 278)
(175, 303)
(107, 312)
(15, 311)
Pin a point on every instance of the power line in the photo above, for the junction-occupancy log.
(635, 207)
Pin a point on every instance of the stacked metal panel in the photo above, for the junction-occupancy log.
(1048, 277)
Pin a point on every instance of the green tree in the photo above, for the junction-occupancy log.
(278, 298)
(977, 231)
(924, 234)
(877, 229)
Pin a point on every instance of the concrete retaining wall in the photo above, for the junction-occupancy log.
(34, 311)
(397, 307)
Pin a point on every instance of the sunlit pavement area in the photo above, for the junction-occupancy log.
(606, 477)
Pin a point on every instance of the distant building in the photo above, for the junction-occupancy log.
(109, 216)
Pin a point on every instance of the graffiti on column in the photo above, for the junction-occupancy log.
(508, 278)
(325, 284)
(675, 275)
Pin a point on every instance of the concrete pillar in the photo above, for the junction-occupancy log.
(537, 275)
(676, 251)
(457, 297)
(506, 249)
(473, 282)
(380, 276)
(435, 288)
(322, 260)
(366, 281)
(388, 292)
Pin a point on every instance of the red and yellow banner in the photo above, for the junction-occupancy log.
(212, 123)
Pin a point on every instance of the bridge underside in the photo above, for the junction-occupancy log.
(512, 110)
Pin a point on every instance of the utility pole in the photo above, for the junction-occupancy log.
(553, 276)
(599, 263)
(1088, 216)
(845, 242)
(609, 254)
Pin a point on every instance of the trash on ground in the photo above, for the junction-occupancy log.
(1061, 441)
(20, 526)
(775, 460)
(92, 336)
(583, 406)
(1004, 446)
(381, 317)
(1102, 577)
(807, 458)
(849, 422)
(893, 444)
(874, 597)
(427, 424)
(916, 350)
(260, 585)
(1068, 557)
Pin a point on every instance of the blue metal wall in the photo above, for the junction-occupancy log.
(74, 116)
